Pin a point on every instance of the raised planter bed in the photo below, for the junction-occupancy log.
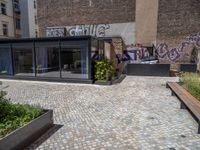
(187, 100)
(148, 69)
(188, 67)
(24, 136)
(114, 81)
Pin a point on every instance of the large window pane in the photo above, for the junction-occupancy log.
(47, 60)
(74, 60)
(5, 61)
(23, 59)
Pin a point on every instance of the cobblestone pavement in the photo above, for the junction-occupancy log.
(137, 114)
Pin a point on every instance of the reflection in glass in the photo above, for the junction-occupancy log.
(5, 61)
(47, 62)
(23, 60)
(74, 63)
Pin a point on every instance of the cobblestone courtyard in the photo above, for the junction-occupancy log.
(137, 114)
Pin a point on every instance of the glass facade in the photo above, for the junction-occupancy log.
(48, 59)
(5, 60)
(23, 59)
(74, 60)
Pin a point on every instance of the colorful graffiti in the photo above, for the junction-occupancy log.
(93, 30)
(174, 54)
(55, 31)
(133, 53)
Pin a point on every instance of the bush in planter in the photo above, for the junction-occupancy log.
(104, 70)
(13, 116)
(191, 82)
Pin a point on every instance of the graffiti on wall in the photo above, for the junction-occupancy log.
(55, 31)
(124, 30)
(174, 54)
(135, 52)
(93, 30)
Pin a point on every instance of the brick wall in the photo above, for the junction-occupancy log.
(178, 19)
(73, 12)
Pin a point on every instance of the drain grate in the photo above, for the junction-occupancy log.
(183, 136)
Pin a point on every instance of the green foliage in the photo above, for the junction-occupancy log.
(104, 70)
(13, 116)
(191, 82)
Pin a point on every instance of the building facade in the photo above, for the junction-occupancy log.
(174, 28)
(6, 19)
(88, 17)
(29, 19)
(171, 27)
(10, 18)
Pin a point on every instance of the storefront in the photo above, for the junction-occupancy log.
(51, 59)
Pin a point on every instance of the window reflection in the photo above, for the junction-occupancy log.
(5, 61)
(23, 60)
(74, 60)
(47, 61)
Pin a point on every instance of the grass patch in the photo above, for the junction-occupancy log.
(13, 116)
(191, 82)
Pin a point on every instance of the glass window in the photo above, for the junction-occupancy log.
(35, 4)
(74, 59)
(5, 29)
(16, 6)
(94, 49)
(23, 59)
(3, 9)
(36, 21)
(5, 60)
(47, 59)
(17, 23)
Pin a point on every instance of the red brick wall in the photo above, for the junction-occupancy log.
(178, 19)
(72, 12)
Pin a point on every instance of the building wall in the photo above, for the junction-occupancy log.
(28, 13)
(7, 19)
(87, 12)
(198, 67)
(146, 21)
(178, 28)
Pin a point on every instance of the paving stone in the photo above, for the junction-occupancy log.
(138, 113)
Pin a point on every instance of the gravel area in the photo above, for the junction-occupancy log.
(137, 114)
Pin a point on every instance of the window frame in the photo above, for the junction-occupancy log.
(3, 8)
(5, 29)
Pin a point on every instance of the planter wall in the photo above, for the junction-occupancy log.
(188, 67)
(27, 134)
(114, 81)
(148, 69)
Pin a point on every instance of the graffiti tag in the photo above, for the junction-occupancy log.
(93, 30)
(55, 31)
(173, 54)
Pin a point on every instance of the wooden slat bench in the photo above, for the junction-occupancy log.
(187, 100)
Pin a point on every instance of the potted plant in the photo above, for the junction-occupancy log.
(104, 71)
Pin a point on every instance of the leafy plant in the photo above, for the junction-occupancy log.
(13, 116)
(104, 70)
(191, 82)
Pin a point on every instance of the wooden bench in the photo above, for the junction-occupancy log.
(187, 100)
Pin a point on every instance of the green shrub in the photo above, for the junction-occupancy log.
(104, 70)
(191, 82)
(13, 116)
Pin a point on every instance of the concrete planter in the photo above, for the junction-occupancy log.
(27, 134)
(113, 81)
(188, 67)
(162, 70)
